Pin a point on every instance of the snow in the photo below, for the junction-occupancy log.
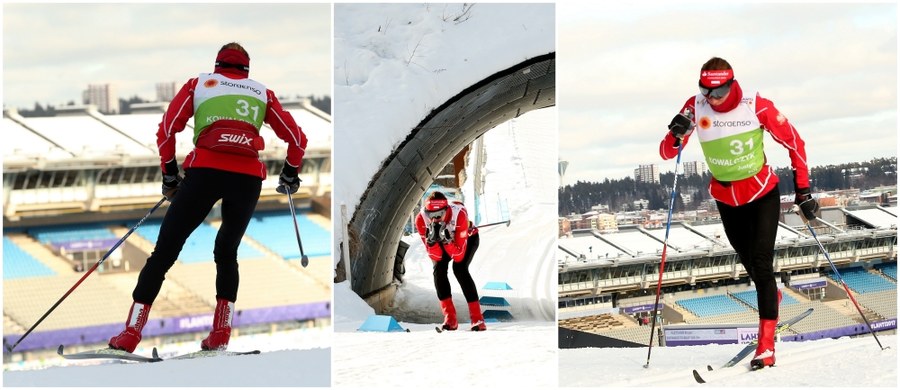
(306, 362)
(516, 353)
(844, 362)
(395, 63)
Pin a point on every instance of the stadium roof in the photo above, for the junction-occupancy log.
(634, 243)
(91, 136)
(879, 217)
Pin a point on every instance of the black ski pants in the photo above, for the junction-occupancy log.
(751, 230)
(200, 190)
(460, 270)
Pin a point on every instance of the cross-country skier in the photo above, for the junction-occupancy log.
(729, 124)
(449, 236)
(228, 110)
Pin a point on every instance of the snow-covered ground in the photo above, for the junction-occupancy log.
(518, 169)
(844, 362)
(298, 358)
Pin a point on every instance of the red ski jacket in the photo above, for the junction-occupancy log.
(740, 192)
(181, 109)
(457, 220)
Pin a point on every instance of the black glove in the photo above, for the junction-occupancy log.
(432, 233)
(446, 235)
(808, 205)
(428, 236)
(171, 180)
(288, 182)
(681, 125)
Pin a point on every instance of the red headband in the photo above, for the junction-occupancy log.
(715, 78)
(233, 56)
(436, 204)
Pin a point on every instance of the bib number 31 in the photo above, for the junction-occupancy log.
(737, 147)
(245, 108)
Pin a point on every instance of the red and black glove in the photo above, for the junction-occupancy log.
(288, 181)
(803, 199)
(171, 179)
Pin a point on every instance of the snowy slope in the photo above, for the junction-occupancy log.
(844, 362)
(283, 368)
(521, 353)
(507, 356)
(274, 367)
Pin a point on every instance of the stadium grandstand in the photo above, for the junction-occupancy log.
(75, 183)
(608, 281)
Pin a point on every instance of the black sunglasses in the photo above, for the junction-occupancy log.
(717, 92)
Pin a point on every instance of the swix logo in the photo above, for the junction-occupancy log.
(239, 139)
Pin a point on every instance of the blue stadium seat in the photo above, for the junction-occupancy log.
(18, 264)
(889, 270)
(199, 246)
(275, 230)
(749, 297)
(68, 233)
(863, 281)
(711, 305)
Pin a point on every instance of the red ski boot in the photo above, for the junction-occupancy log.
(131, 336)
(765, 349)
(449, 315)
(477, 318)
(221, 332)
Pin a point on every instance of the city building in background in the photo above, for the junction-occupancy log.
(104, 96)
(647, 173)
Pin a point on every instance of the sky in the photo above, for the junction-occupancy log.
(51, 52)
(626, 70)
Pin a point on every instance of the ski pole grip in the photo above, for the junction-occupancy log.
(796, 208)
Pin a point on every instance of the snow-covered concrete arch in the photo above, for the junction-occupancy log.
(378, 221)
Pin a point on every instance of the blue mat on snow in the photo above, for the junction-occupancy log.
(380, 323)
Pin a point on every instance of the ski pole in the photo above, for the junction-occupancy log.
(303, 259)
(662, 263)
(86, 274)
(492, 224)
(796, 209)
